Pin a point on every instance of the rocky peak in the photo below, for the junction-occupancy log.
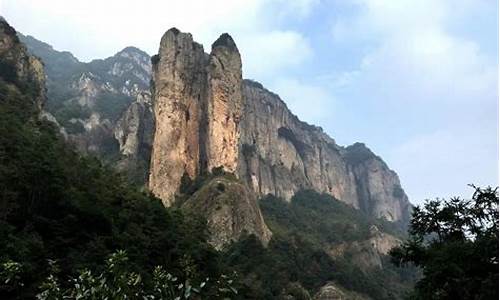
(103, 106)
(198, 106)
(179, 88)
(17, 66)
(230, 209)
(224, 105)
(378, 187)
(226, 41)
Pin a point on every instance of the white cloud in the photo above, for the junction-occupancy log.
(442, 163)
(312, 103)
(267, 53)
(96, 29)
(412, 52)
(417, 67)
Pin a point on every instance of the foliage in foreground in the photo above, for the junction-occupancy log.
(116, 281)
(57, 204)
(455, 242)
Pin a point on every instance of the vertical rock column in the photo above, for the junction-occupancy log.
(179, 86)
(224, 105)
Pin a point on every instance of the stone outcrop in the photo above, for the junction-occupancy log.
(198, 104)
(179, 87)
(230, 209)
(368, 253)
(19, 67)
(281, 155)
(134, 132)
(224, 105)
(378, 187)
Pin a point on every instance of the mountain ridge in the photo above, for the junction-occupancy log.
(314, 242)
(290, 139)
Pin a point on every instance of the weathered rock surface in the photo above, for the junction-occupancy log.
(231, 209)
(378, 187)
(198, 104)
(134, 132)
(224, 105)
(281, 155)
(368, 253)
(18, 66)
(179, 79)
(207, 117)
(93, 103)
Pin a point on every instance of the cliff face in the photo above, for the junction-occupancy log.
(179, 85)
(134, 133)
(18, 67)
(281, 155)
(224, 105)
(197, 107)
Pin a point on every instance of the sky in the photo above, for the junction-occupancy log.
(415, 80)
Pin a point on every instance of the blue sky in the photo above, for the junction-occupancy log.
(416, 80)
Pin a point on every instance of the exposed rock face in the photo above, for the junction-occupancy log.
(281, 155)
(378, 187)
(231, 209)
(134, 132)
(94, 103)
(179, 86)
(224, 105)
(368, 253)
(18, 66)
(207, 117)
(198, 105)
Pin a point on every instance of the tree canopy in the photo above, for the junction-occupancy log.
(455, 243)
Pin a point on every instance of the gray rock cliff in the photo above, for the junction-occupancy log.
(279, 155)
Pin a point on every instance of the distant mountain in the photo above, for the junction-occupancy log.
(104, 106)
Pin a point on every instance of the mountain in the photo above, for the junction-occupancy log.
(245, 185)
(58, 206)
(223, 120)
(207, 116)
(104, 106)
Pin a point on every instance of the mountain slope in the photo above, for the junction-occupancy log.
(104, 106)
(56, 204)
(60, 204)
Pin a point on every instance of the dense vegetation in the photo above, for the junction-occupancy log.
(296, 254)
(455, 242)
(56, 204)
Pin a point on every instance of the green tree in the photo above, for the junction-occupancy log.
(117, 282)
(455, 243)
